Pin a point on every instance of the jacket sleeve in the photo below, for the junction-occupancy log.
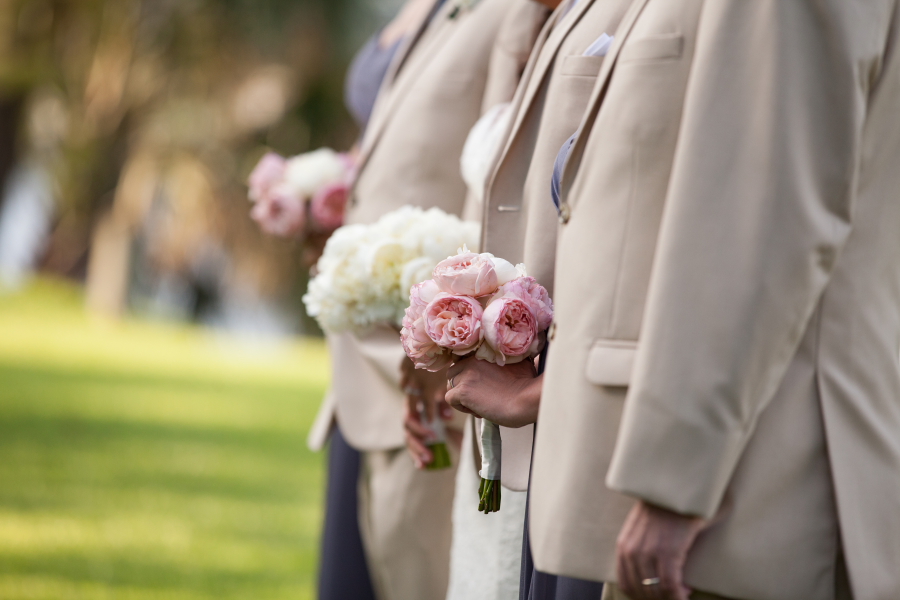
(758, 209)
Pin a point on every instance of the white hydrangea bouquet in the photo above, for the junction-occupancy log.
(366, 271)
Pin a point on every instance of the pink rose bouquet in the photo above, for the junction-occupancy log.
(304, 194)
(481, 304)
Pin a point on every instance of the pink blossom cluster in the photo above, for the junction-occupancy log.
(308, 192)
(475, 303)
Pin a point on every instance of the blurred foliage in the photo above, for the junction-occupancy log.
(176, 86)
(151, 462)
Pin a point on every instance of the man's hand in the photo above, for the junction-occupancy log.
(651, 552)
(508, 396)
(424, 394)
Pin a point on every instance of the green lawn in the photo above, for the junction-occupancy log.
(148, 461)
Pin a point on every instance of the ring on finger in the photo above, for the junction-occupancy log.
(411, 391)
(450, 384)
(650, 581)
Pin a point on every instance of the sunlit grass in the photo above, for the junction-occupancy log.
(149, 461)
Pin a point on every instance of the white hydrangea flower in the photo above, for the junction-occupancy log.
(366, 271)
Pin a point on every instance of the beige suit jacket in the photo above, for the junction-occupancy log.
(520, 221)
(410, 154)
(729, 276)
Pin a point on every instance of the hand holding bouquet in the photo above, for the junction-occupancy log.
(481, 304)
(305, 193)
(366, 271)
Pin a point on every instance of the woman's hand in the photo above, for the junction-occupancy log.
(508, 395)
(424, 400)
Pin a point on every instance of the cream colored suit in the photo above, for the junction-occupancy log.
(729, 275)
(486, 553)
(431, 97)
(520, 220)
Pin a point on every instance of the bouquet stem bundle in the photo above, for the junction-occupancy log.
(489, 490)
(441, 455)
(489, 496)
(438, 447)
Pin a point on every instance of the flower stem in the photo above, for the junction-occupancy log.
(442, 458)
(489, 496)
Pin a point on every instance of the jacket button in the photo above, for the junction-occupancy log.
(564, 213)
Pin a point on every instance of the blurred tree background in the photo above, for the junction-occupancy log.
(127, 130)
(148, 460)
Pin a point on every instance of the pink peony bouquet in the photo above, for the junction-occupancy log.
(475, 303)
(481, 304)
(304, 194)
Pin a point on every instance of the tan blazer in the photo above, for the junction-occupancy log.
(430, 99)
(519, 218)
(729, 276)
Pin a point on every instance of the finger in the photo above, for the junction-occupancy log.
(669, 581)
(457, 367)
(646, 565)
(454, 399)
(419, 429)
(671, 574)
(412, 405)
(627, 548)
(418, 450)
(412, 410)
(634, 587)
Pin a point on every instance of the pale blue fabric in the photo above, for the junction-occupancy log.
(364, 78)
(558, 167)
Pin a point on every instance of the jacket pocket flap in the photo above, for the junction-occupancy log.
(582, 66)
(656, 47)
(610, 362)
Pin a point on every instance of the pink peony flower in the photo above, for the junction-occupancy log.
(535, 295)
(269, 171)
(279, 213)
(467, 274)
(421, 295)
(454, 322)
(328, 205)
(419, 347)
(510, 328)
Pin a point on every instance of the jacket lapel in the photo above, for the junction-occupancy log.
(587, 122)
(542, 57)
(562, 24)
(434, 27)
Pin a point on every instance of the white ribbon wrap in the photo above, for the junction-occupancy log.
(491, 451)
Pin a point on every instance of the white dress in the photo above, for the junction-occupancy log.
(486, 556)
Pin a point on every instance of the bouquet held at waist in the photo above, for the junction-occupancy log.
(303, 195)
(483, 305)
(365, 273)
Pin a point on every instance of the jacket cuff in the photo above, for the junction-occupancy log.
(672, 463)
